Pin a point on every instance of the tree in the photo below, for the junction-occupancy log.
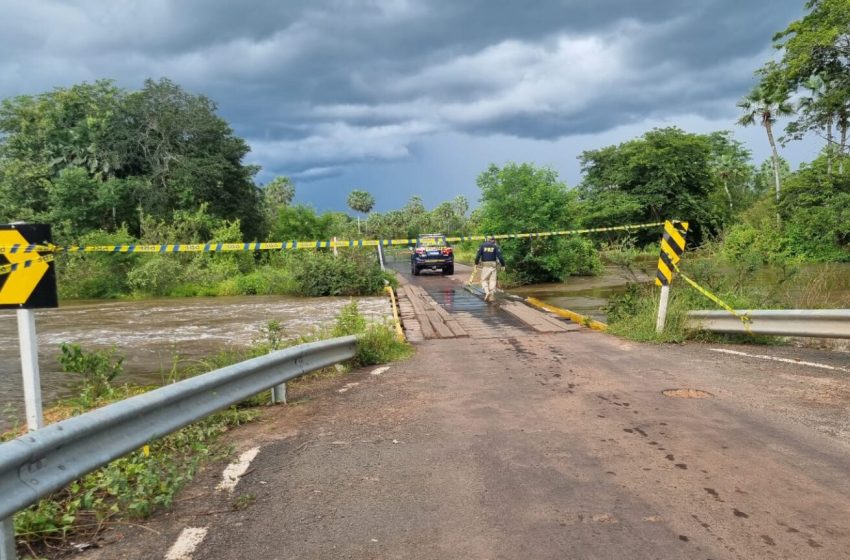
(731, 164)
(764, 104)
(301, 222)
(149, 152)
(816, 56)
(520, 198)
(361, 202)
(279, 192)
(665, 174)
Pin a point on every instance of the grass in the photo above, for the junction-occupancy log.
(633, 314)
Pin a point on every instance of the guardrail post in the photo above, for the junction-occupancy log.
(7, 539)
(380, 254)
(662, 309)
(29, 368)
(279, 394)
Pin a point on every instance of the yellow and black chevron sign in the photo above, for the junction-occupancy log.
(672, 247)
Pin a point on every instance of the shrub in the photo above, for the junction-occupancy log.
(156, 276)
(95, 275)
(96, 369)
(323, 274)
(377, 342)
(379, 345)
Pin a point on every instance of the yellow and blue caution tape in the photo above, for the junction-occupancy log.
(745, 319)
(10, 268)
(131, 248)
(672, 247)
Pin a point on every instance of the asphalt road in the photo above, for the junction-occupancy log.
(538, 446)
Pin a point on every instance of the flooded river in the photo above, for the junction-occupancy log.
(150, 334)
(587, 295)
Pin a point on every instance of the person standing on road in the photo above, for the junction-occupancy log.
(490, 258)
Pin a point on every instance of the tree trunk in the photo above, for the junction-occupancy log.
(358, 224)
(769, 130)
(728, 194)
(842, 147)
(829, 147)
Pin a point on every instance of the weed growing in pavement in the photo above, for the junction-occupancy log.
(242, 502)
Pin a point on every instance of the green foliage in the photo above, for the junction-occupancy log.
(361, 201)
(665, 174)
(302, 222)
(133, 486)
(96, 371)
(349, 321)
(377, 342)
(450, 218)
(524, 198)
(95, 275)
(633, 315)
(323, 274)
(97, 156)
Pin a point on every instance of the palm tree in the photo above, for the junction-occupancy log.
(361, 201)
(764, 106)
(727, 169)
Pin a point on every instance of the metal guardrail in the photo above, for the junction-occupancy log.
(46, 460)
(818, 323)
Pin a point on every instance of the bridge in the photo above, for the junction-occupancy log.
(515, 434)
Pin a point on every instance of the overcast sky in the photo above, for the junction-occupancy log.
(405, 97)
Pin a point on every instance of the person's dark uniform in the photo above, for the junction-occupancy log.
(490, 257)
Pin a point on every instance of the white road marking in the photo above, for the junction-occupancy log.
(234, 471)
(347, 387)
(783, 360)
(380, 370)
(186, 543)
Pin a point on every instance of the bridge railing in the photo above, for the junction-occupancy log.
(46, 460)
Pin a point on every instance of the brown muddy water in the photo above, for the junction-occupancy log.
(151, 334)
(587, 295)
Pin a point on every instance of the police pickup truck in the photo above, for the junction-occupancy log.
(432, 252)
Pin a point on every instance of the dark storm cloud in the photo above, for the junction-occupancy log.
(318, 85)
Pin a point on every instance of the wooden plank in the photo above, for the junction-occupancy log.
(456, 328)
(533, 319)
(415, 299)
(439, 325)
(449, 320)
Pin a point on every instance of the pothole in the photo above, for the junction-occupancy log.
(687, 394)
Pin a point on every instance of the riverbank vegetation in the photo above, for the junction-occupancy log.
(144, 481)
